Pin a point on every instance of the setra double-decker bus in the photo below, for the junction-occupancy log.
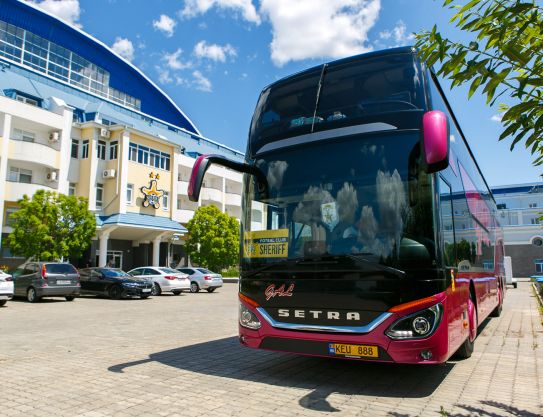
(368, 230)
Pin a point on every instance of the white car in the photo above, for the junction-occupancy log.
(164, 279)
(6, 288)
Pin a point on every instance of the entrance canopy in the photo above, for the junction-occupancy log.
(138, 227)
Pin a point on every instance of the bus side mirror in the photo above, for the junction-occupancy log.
(205, 161)
(435, 138)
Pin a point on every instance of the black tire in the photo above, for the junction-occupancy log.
(210, 289)
(156, 289)
(3, 302)
(115, 292)
(497, 312)
(514, 285)
(465, 351)
(176, 292)
(32, 296)
(69, 298)
(143, 297)
(194, 287)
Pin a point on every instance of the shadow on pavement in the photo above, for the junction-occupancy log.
(227, 358)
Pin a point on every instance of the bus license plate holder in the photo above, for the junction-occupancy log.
(353, 351)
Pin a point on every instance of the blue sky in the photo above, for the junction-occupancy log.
(213, 57)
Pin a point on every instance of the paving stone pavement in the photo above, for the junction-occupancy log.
(179, 356)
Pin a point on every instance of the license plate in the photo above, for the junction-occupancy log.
(146, 290)
(353, 351)
(63, 281)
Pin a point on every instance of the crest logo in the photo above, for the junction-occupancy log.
(152, 193)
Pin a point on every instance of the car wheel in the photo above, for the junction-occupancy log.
(498, 310)
(210, 289)
(156, 289)
(465, 351)
(194, 287)
(3, 302)
(69, 298)
(176, 292)
(143, 297)
(514, 285)
(32, 296)
(115, 292)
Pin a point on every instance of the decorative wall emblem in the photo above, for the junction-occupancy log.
(152, 193)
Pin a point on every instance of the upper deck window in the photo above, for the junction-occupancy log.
(351, 93)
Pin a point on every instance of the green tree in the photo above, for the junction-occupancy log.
(51, 226)
(504, 58)
(213, 239)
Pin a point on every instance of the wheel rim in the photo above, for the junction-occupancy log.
(31, 294)
(154, 291)
(193, 287)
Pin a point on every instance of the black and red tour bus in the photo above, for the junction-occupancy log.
(368, 230)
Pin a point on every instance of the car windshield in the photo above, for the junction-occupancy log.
(114, 273)
(204, 271)
(359, 196)
(60, 269)
(168, 270)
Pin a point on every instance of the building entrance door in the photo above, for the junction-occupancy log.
(116, 258)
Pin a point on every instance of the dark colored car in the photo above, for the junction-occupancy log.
(114, 283)
(35, 280)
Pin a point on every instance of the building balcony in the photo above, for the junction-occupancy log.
(182, 187)
(34, 152)
(183, 216)
(211, 194)
(16, 190)
(233, 199)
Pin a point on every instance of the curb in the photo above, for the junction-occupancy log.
(538, 295)
(230, 280)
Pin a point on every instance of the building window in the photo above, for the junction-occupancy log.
(149, 156)
(165, 200)
(501, 206)
(99, 195)
(75, 148)
(538, 265)
(9, 221)
(532, 205)
(534, 220)
(101, 150)
(20, 175)
(129, 193)
(25, 136)
(113, 146)
(85, 150)
(27, 100)
(71, 189)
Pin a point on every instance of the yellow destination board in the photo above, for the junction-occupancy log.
(266, 244)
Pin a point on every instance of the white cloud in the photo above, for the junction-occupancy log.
(173, 62)
(124, 48)
(165, 24)
(307, 29)
(245, 7)
(201, 83)
(67, 10)
(214, 52)
(497, 117)
(163, 75)
(398, 34)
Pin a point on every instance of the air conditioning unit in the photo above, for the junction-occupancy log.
(52, 176)
(104, 133)
(54, 136)
(108, 173)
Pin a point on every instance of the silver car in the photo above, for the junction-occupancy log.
(164, 279)
(6, 288)
(202, 279)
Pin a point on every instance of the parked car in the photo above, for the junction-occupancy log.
(164, 279)
(6, 288)
(35, 280)
(114, 283)
(202, 279)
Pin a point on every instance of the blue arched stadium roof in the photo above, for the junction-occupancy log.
(124, 76)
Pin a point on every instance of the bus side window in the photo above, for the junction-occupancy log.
(447, 223)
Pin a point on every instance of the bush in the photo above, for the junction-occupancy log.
(232, 272)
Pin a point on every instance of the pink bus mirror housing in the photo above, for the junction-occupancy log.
(435, 140)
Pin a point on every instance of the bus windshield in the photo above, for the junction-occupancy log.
(357, 196)
(337, 95)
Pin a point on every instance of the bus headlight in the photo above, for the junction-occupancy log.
(247, 318)
(418, 325)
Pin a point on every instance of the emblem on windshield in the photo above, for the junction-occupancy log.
(271, 292)
(329, 215)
